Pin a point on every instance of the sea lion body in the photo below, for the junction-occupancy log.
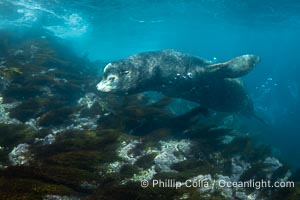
(180, 75)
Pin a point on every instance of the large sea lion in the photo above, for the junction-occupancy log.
(180, 75)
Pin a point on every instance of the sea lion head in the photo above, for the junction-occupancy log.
(119, 78)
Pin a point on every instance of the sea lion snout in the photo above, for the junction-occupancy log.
(108, 84)
(251, 59)
(103, 87)
(256, 59)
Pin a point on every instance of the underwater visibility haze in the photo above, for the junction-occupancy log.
(61, 138)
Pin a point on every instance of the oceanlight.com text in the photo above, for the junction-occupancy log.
(257, 184)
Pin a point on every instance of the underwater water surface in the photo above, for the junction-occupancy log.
(61, 138)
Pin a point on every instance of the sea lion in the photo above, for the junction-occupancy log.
(180, 75)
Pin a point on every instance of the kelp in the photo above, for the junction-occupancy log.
(56, 117)
(11, 135)
(12, 189)
(248, 149)
(137, 115)
(32, 108)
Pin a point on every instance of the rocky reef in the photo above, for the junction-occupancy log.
(60, 139)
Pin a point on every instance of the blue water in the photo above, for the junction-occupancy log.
(112, 29)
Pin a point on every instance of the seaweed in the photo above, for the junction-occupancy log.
(34, 107)
(255, 172)
(12, 135)
(19, 93)
(248, 149)
(134, 191)
(173, 176)
(280, 173)
(296, 176)
(10, 72)
(133, 115)
(193, 168)
(288, 193)
(56, 117)
(103, 141)
(66, 176)
(128, 170)
(146, 161)
(86, 160)
(18, 188)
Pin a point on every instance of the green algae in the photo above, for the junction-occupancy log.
(12, 135)
(291, 193)
(87, 160)
(105, 141)
(134, 191)
(134, 116)
(34, 107)
(281, 172)
(69, 176)
(188, 169)
(248, 149)
(18, 188)
(191, 168)
(173, 176)
(10, 72)
(296, 176)
(19, 93)
(128, 170)
(255, 172)
(146, 161)
(56, 117)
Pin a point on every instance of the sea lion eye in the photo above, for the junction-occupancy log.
(112, 78)
(126, 72)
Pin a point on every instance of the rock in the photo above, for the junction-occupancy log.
(88, 100)
(144, 175)
(227, 192)
(4, 112)
(166, 155)
(125, 151)
(20, 155)
(273, 162)
(49, 139)
(58, 197)
(89, 186)
(205, 182)
(33, 124)
(238, 168)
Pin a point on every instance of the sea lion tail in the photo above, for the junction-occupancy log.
(250, 113)
(236, 67)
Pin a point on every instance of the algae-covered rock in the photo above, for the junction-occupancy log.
(20, 155)
(5, 117)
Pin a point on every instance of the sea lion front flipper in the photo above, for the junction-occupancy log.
(234, 68)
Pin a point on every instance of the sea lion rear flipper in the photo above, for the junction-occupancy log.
(235, 67)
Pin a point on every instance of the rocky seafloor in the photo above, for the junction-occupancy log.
(61, 139)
